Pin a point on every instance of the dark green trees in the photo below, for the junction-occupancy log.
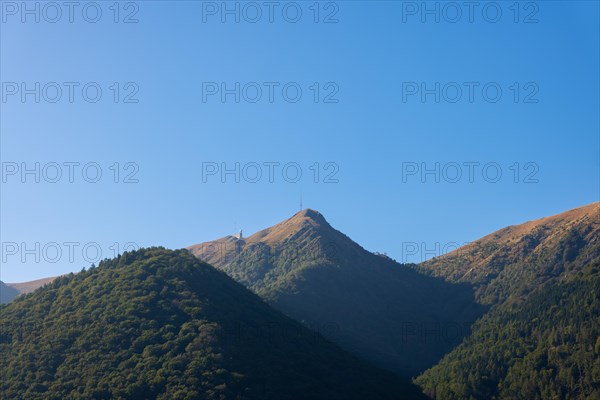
(159, 324)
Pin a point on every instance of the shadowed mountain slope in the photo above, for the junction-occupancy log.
(381, 310)
(7, 293)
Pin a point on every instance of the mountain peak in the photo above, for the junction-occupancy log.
(310, 213)
(302, 220)
(312, 216)
(304, 225)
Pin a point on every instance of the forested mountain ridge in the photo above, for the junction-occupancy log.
(511, 262)
(372, 306)
(541, 337)
(161, 324)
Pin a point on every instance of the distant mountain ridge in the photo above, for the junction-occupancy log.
(9, 291)
(30, 286)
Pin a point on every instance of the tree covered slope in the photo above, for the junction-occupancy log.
(160, 324)
(547, 347)
(541, 337)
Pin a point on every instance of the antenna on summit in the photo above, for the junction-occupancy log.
(300, 201)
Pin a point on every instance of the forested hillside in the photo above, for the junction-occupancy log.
(547, 347)
(160, 324)
(541, 337)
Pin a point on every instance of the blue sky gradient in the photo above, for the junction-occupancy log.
(370, 57)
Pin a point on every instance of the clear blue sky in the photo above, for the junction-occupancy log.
(371, 58)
